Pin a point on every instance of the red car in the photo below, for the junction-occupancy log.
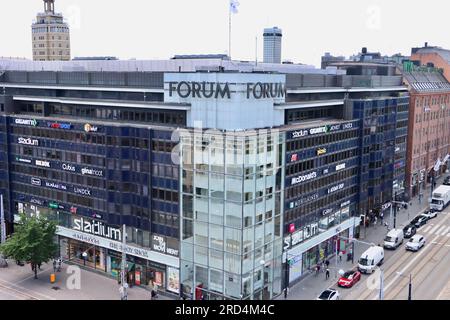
(349, 279)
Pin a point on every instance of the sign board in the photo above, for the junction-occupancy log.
(117, 246)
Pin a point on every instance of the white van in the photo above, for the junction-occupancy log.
(394, 239)
(370, 259)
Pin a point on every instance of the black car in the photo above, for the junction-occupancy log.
(447, 181)
(409, 231)
(419, 221)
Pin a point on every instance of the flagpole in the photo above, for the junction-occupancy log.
(229, 32)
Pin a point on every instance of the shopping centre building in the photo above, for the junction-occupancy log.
(217, 168)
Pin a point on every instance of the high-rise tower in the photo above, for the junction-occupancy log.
(51, 35)
(272, 45)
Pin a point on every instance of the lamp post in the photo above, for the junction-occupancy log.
(409, 285)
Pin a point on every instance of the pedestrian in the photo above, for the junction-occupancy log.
(382, 217)
(327, 274)
(39, 265)
(59, 264)
(150, 287)
(375, 219)
(54, 265)
(317, 269)
(340, 256)
(121, 291)
(125, 291)
(327, 263)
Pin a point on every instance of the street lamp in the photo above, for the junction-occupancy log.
(409, 285)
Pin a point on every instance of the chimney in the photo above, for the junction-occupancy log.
(426, 44)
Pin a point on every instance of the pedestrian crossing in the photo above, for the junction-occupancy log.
(437, 230)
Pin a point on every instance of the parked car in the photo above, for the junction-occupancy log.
(419, 221)
(415, 243)
(329, 294)
(430, 214)
(409, 231)
(447, 181)
(349, 279)
(394, 239)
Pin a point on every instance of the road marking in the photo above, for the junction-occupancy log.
(445, 232)
(427, 229)
(417, 256)
(440, 230)
(434, 229)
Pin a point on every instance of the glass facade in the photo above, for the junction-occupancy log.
(231, 215)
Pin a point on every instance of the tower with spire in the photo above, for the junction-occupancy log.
(50, 35)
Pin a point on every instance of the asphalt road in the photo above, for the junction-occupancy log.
(428, 267)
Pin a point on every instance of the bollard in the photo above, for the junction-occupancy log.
(52, 278)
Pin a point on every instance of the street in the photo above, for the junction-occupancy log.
(428, 267)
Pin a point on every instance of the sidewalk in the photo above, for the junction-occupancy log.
(311, 286)
(93, 286)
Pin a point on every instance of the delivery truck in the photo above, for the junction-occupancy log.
(440, 198)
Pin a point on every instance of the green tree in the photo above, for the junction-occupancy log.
(32, 241)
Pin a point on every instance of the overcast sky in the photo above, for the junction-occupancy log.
(149, 29)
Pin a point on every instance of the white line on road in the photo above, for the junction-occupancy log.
(427, 229)
(440, 230)
(434, 229)
(445, 232)
(417, 256)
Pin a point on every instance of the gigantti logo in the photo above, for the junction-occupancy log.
(96, 228)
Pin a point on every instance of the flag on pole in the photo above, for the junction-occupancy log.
(234, 4)
(437, 165)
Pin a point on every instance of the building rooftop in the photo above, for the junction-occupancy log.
(422, 81)
(173, 65)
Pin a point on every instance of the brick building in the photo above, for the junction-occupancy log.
(429, 127)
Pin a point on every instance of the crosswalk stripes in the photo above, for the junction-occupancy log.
(434, 229)
(427, 229)
(440, 230)
(445, 232)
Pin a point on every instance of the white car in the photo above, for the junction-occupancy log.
(415, 243)
(329, 294)
(430, 214)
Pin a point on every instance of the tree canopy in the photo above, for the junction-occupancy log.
(32, 241)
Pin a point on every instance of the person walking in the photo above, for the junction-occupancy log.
(327, 263)
(317, 269)
(59, 264)
(150, 287)
(54, 265)
(382, 218)
(340, 256)
(327, 274)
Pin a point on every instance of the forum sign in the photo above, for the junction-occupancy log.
(228, 101)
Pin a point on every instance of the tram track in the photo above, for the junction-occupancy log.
(418, 276)
(390, 275)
